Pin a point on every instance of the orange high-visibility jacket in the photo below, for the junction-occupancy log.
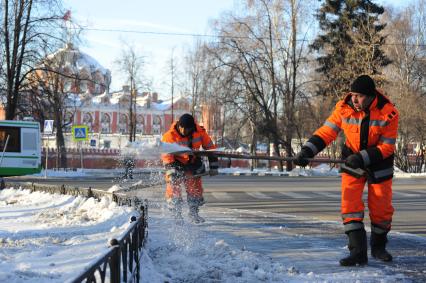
(198, 139)
(371, 134)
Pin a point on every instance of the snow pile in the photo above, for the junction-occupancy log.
(321, 170)
(401, 174)
(242, 149)
(51, 238)
(62, 173)
(115, 188)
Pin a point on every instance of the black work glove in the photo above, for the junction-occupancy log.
(354, 161)
(174, 170)
(301, 158)
(196, 166)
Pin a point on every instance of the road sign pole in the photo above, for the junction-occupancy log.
(48, 130)
(81, 154)
(47, 157)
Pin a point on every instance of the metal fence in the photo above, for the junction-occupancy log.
(121, 262)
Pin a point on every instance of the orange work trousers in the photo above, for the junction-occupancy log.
(193, 187)
(379, 201)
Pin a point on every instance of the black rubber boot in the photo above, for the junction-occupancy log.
(194, 204)
(378, 247)
(357, 247)
(194, 216)
(175, 207)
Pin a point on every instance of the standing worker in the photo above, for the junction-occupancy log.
(370, 123)
(182, 169)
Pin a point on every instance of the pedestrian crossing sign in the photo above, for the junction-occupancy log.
(48, 127)
(80, 133)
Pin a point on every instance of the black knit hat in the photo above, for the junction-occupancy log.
(187, 121)
(365, 85)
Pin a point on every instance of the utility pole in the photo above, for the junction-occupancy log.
(172, 69)
(134, 113)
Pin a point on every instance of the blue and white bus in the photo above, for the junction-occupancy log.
(20, 148)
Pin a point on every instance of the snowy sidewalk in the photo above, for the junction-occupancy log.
(253, 246)
(52, 238)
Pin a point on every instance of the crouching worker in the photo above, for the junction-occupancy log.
(370, 123)
(185, 170)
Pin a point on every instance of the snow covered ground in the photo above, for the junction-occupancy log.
(254, 246)
(51, 238)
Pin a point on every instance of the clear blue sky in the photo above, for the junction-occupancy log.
(163, 16)
(183, 16)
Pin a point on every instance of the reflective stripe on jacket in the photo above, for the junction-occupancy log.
(370, 133)
(200, 139)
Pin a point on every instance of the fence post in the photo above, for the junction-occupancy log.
(90, 193)
(136, 245)
(114, 262)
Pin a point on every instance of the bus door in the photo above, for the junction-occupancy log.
(30, 147)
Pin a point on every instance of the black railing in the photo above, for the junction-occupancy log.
(121, 263)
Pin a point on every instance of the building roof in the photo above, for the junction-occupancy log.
(78, 61)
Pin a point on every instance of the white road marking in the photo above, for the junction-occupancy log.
(221, 195)
(259, 195)
(295, 195)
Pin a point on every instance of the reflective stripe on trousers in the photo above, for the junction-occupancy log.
(379, 201)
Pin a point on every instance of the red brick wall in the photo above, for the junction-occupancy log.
(95, 159)
(114, 123)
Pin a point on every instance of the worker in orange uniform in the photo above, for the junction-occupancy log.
(182, 169)
(370, 123)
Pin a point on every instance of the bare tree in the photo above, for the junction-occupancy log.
(131, 63)
(54, 89)
(406, 81)
(196, 73)
(265, 61)
(27, 26)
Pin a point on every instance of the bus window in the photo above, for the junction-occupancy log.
(29, 140)
(14, 143)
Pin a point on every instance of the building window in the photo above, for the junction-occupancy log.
(156, 125)
(123, 124)
(105, 124)
(140, 124)
(88, 121)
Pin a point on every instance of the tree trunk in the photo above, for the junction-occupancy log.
(277, 152)
(289, 151)
(253, 146)
(60, 145)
